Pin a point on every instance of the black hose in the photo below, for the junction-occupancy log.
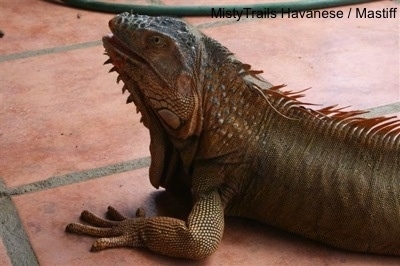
(180, 11)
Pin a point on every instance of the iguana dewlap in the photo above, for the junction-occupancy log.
(236, 149)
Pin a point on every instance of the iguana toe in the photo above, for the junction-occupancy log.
(112, 242)
(120, 231)
(94, 220)
(114, 215)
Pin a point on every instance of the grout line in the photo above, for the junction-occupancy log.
(386, 109)
(156, 2)
(13, 234)
(65, 48)
(53, 50)
(76, 177)
(213, 24)
(221, 22)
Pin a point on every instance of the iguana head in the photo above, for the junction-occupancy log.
(156, 58)
(157, 55)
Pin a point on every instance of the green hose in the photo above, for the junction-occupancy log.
(180, 11)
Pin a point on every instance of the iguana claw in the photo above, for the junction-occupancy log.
(118, 231)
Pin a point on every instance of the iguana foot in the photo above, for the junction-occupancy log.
(118, 231)
(194, 238)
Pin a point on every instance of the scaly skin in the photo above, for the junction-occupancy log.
(236, 149)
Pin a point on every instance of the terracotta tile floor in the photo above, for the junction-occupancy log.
(68, 142)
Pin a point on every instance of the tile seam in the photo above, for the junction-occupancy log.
(76, 177)
(46, 51)
(385, 109)
(221, 23)
(77, 46)
(81, 176)
(13, 234)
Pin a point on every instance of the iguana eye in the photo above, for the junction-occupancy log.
(157, 41)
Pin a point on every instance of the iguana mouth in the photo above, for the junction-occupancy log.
(120, 56)
(112, 43)
(124, 60)
(117, 49)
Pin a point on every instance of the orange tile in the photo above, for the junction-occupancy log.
(4, 259)
(212, 3)
(63, 113)
(66, 114)
(37, 25)
(44, 216)
(42, 24)
(345, 61)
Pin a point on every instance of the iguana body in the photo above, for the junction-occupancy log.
(238, 150)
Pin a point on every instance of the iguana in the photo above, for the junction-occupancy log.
(221, 136)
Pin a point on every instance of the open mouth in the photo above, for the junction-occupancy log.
(116, 47)
(121, 56)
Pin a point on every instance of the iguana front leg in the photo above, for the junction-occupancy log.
(196, 238)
